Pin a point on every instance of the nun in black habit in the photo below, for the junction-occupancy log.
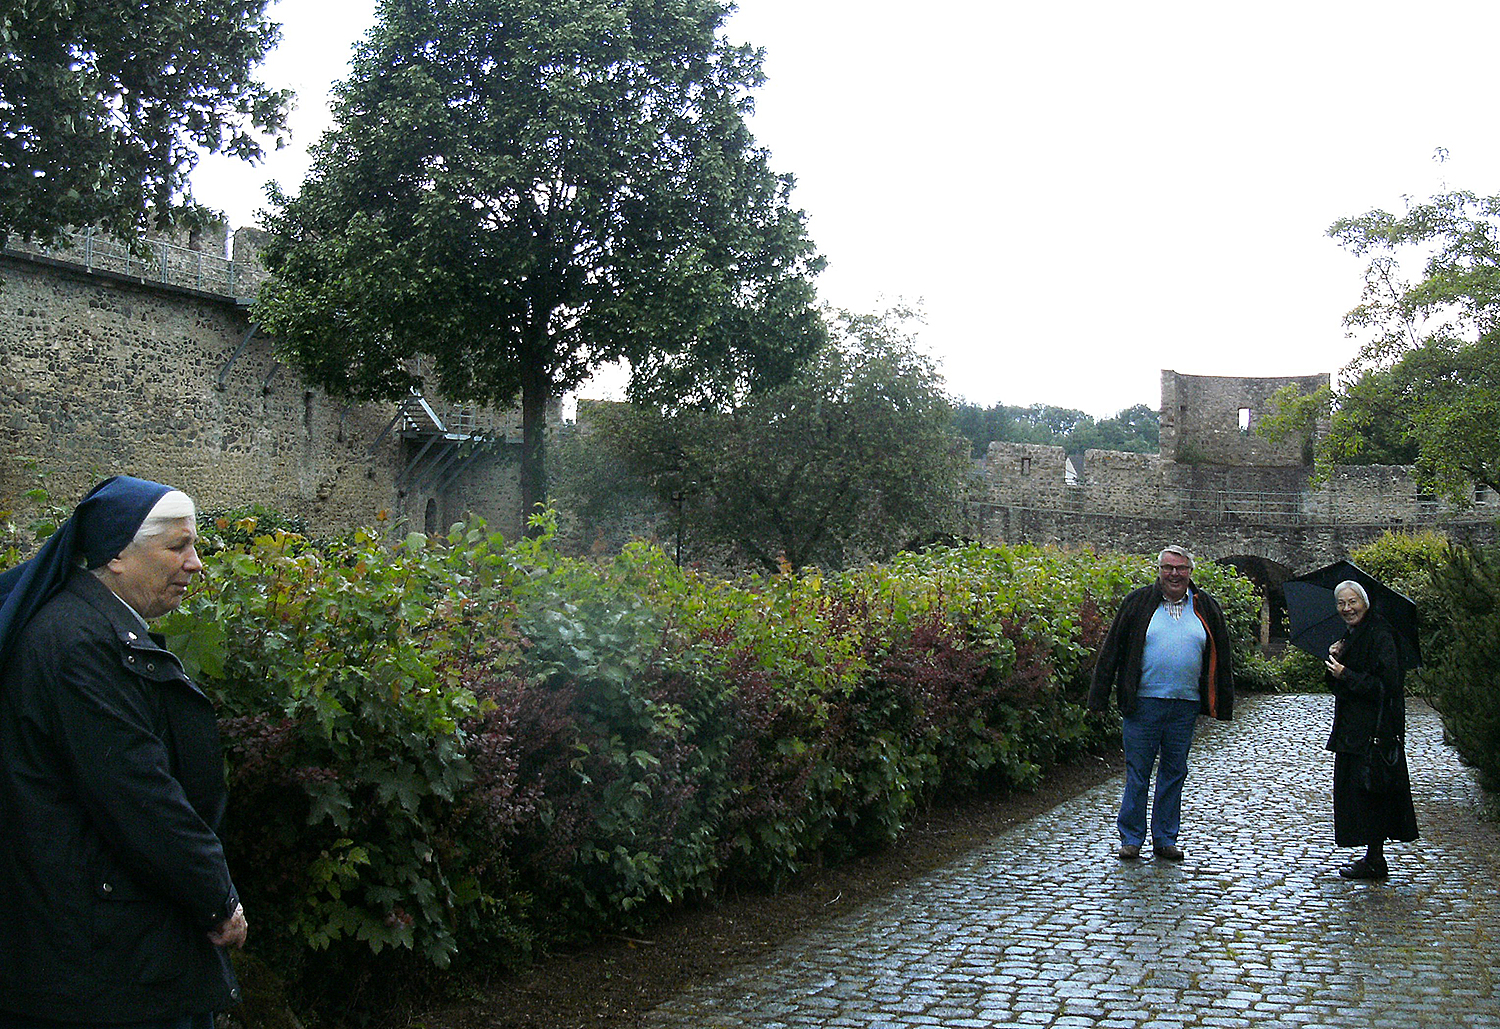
(116, 903)
(1369, 707)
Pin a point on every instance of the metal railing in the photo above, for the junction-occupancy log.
(166, 263)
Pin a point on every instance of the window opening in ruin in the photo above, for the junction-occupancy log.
(1245, 420)
(430, 517)
(1025, 466)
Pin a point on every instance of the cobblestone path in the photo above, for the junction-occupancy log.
(1043, 926)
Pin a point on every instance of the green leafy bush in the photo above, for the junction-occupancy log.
(340, 673)
(1404, 561)
(1255, 672)
(1466, 682)
(1301, 672)
(463, 748)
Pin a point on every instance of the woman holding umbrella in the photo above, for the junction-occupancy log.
(1369, 707)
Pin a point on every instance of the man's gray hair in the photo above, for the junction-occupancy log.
(1181, 552)
(173, 507)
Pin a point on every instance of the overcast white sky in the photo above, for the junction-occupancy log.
(1079, 193)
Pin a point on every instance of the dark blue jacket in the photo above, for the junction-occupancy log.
(111, 794)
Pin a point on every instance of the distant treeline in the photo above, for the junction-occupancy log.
(1135, 429)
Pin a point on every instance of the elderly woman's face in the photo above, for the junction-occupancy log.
(152, 575)
(1350, 605)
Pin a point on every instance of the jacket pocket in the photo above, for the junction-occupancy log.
(138, 937)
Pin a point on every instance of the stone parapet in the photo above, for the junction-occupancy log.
(1111, 483)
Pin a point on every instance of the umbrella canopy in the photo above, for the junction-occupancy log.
(1315, 621)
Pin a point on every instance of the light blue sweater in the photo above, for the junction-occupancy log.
(1173, 658)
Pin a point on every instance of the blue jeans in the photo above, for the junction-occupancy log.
(1164, 728)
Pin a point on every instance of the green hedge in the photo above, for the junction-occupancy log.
(464, 748)
(1465, 681)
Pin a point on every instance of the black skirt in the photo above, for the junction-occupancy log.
(1361, 818)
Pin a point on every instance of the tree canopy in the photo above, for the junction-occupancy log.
(1135, 429)
(1425, 387)
(851, 459)
(522, 190)
(106, 106)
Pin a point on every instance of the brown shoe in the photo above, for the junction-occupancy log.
(1168, 851)
(1129, 851)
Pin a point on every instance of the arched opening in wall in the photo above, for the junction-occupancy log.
(1268, 576)
(430, 517)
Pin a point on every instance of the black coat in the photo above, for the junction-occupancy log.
(111, 794)
(1370, 688)
(1118, 668)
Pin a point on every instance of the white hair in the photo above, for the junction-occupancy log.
(1350, 584)
(174, 506)
(1179, 551)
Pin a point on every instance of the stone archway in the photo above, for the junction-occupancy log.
(1268, 575)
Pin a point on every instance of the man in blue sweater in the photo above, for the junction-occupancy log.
(1167, 659)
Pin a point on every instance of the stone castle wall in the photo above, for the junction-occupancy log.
(1239, 495)
(110, 364)
(102, 372)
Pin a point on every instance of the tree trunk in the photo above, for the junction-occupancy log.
(536, 389)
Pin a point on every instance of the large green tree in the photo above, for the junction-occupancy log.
(1425, 387)
(106, 106)
(522, 190)
(852, 459)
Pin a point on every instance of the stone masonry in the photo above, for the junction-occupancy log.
(109, 369)
(1239, 495)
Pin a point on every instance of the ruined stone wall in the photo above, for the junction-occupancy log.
(1031, 471)
(1201, 419)
(1150, 486)
(1298, 548)
(101, 375)
(1239, 495)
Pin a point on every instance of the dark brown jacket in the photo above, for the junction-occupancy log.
(1118, 668)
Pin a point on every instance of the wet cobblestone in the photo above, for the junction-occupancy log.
(1044, 927)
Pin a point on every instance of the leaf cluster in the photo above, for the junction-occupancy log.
(1426, 384)
(520, 191)
(1136, 429)
(105, 107)
(1465, 685)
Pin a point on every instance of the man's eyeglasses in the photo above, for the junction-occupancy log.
(1176, 570)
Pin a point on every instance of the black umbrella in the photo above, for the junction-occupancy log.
(1315, 621)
